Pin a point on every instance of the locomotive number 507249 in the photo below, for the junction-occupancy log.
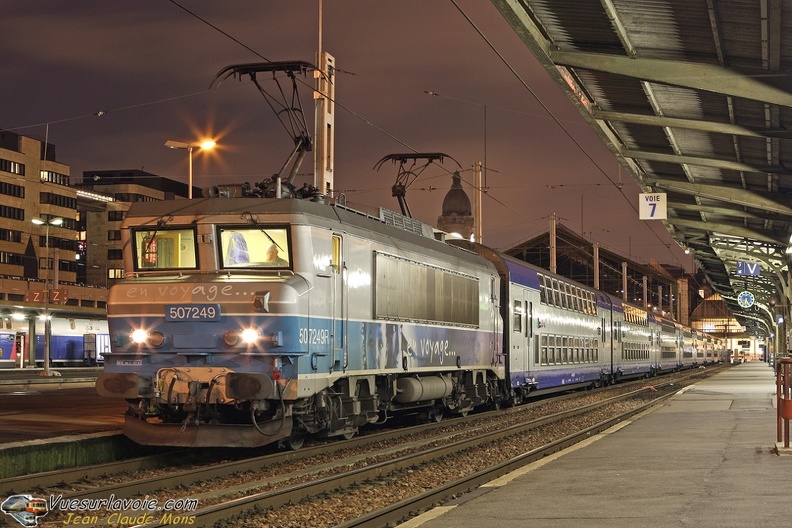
(192, 312)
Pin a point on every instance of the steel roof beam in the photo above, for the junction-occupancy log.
(731, 230)
(765, 201)
(706, 77)
(723, 210)
(693, 124)
(704, 162)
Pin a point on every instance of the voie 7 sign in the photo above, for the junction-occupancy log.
(652, 206)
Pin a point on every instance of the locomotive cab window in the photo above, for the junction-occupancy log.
(165, 248)
(254, 247)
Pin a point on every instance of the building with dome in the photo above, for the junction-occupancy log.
(457, 215)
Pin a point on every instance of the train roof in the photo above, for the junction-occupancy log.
(361, 220)
(526, 274)
(202, 207)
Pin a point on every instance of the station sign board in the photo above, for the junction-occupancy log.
(652, 206)
(749, 269)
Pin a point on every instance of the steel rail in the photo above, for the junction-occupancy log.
(208, 516)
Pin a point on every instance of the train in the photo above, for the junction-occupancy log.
(245, 321)
(74, 342)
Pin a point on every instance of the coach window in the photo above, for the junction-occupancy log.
(558, 288)
(517, 317)
(544, 350)
(556, 294)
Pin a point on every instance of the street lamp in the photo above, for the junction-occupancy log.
(48, 221)
(205, 145)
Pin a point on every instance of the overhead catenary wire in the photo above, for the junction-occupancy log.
(348, 110)
(618, 186)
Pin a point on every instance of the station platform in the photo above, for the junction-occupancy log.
(705, 458)
(26, 379)
(35, 407)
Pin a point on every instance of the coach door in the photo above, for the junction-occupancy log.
(519, 337)
(497, 341)
(339, 306)
(608, 337)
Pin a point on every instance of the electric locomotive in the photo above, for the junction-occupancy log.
(250, 321)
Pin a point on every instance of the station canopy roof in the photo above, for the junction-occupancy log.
(693, 97)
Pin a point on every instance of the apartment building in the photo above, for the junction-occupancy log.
(60, 247)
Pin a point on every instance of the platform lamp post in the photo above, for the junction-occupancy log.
(189, 147)
(48, 220)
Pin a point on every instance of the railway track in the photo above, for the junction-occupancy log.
(356, 486)
(282, 480)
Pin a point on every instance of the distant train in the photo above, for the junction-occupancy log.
(74, 342)
(250, 321)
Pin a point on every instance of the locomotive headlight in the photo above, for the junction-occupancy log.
(249, 336)
(143, 337)
(139, 336)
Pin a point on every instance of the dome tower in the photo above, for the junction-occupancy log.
(457, 216)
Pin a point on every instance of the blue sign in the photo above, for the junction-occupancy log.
(751, 269)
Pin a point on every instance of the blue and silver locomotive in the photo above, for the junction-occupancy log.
(247, 321)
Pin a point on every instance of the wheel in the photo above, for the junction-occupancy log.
(295, 441)
(350, 435)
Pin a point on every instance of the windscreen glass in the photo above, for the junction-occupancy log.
(160, 249)
(254, 247)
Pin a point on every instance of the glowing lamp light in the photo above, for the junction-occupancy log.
(139, 336)
(249, 336)
(207, 144)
